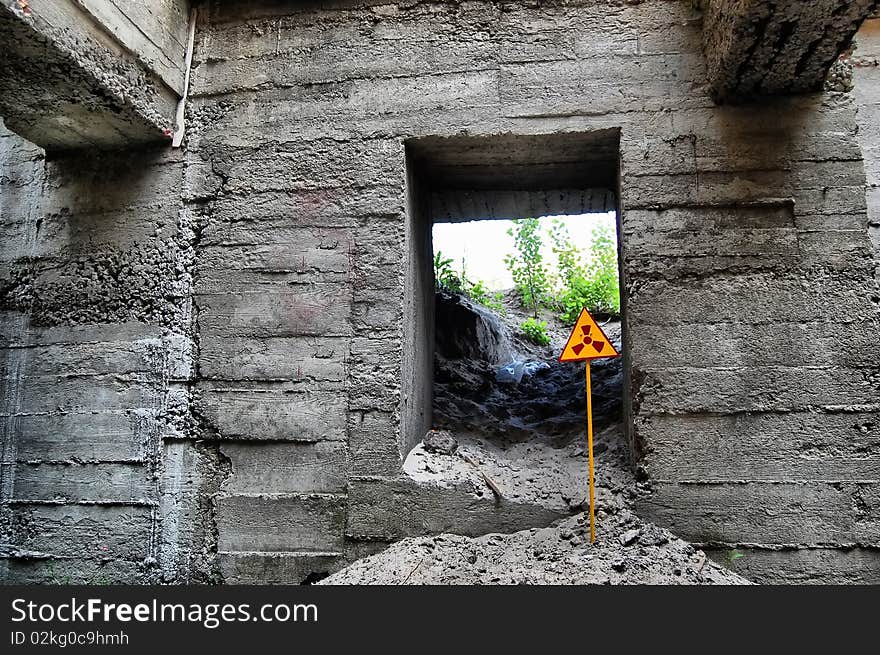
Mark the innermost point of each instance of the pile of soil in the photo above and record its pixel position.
(627, 551)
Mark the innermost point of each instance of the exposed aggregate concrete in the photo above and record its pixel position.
(66, 86)
(170, 330)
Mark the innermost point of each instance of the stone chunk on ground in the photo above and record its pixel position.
(440, 442)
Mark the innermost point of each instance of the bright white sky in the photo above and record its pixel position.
(483, 244)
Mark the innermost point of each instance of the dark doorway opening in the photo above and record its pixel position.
(473, 372)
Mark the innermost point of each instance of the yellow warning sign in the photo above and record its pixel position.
(587, 341)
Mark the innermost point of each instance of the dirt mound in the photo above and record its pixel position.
(628, 551)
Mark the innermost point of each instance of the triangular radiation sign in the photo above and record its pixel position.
(587, 341)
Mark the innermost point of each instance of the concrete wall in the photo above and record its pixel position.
(94, 313)
(417, 374)
(754, 47)
(752, 312)
(841, 447)
(866, 76)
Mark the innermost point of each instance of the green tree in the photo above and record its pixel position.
(526, 265)
(593, 283)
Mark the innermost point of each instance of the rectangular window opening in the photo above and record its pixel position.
(478, 365)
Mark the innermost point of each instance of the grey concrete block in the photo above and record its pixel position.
(73, 80)
(382, 101)
(260, 414)
(83, 482)
(723, 188)
(18, 329)
(700, 241)
(796, 566)
(456, 205)
(80, 230)
(831, 200)
(54, 394)
(313, 48)
(84, 360)
(277, 568)
(105, 436)
(374, 371)
(759, 49)
(275, 310)
(270, 248)
(808, 513)
(304, 523)
(373, 443)
(754, 298)
(320, 164)
(762, 388)
(848, 345)
(103, 183)
(158, 33)
(72, 570)
(385, 509)
(300, 359)
(566, 87)
(323, 208)
(286, 467)
(762, 446)
(95, 532)
(378, 312)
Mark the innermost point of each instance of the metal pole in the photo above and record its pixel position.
(590, 449)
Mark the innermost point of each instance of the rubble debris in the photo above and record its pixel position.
(489, 481)
(440, 442)
(497, 445)
(526, 394)
(559, 554)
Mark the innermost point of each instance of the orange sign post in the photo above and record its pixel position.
(588, 342)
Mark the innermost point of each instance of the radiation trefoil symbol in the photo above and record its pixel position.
(588, 341)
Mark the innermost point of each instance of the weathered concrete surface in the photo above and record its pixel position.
(173, 323)
(94, 350)
(92, 73)
(866, 75)
(755, 47)
(802, 565)
(385, 510)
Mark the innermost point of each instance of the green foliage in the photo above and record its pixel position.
(536, 331)
(733, 555)
(447, 278)
(593, 284)
(582, 279)
(526, 265)
(444, 275)
(478, 292)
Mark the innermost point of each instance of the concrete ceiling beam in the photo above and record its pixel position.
(775, 47)
(69, 81)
